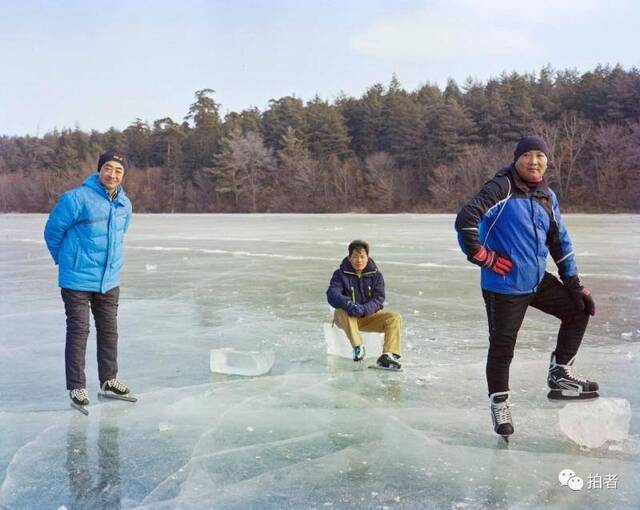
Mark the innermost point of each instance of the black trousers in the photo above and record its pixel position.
(105, 314)
(506, 313)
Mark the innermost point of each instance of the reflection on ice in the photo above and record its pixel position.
(591, 424)
(249, 363)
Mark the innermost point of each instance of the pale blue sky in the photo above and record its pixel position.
(104, 63)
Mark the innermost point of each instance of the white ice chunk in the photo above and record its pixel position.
(338, 343)
(591, 424)
(230, 361)
(150, 267)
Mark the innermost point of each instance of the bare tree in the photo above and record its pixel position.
(380, 170)
(567, 139)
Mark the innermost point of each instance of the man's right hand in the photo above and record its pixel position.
(355, 310)
(491, 260)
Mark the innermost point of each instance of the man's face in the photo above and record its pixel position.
(359, 259)
(532, 165)
(111, 175)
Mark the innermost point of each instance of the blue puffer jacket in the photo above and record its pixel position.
(524, 224)
(367, 289)
(85, 234)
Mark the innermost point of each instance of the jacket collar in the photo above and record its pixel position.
(520, 183)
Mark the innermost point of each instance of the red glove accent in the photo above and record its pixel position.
(491, 260)
(589, 303)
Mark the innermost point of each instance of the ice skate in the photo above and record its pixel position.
(114, 389)
(501, 414)
(565, 384)
(80, 400)
(388, 361)
(358, 353)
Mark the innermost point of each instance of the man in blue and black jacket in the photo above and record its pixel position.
(508, 229)
(356, 291)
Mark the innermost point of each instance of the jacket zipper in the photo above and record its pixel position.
(535, 230)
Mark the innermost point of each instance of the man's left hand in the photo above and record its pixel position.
(355, 310)
(580, 295)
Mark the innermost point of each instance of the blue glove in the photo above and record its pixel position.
(355, 310)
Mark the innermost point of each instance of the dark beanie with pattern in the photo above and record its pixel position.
(112, 155)
(530, 143)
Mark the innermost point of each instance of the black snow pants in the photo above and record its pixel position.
(105, 311)
(505, 314)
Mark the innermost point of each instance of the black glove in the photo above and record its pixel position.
(581, 295)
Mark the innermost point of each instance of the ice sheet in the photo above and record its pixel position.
(236, 362)
(315, 432)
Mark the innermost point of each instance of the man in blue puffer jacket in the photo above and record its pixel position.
(356, 291)
(509, 228)
(85, 235)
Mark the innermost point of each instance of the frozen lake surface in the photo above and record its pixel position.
(314, 432)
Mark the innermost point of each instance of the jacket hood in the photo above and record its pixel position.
(93, 182)
(371, 267)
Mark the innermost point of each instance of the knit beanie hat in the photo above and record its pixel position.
(112, 155)
(530, 143)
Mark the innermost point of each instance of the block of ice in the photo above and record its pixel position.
(591, 424)
(230, 361)
(338, 343)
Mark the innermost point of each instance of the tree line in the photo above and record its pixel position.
(389, 150)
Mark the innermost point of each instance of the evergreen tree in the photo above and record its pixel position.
(325, 131)
(286, 112)
(201, 142)
(138, 143)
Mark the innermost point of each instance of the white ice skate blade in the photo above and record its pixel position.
(564, 395)
(111, 396)
(78, 407)
(376, 367)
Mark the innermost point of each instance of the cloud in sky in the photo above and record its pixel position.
(441, 30)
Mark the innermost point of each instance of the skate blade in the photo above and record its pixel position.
(80, 408)
(111, 396)
(571, 395)
(376, 367)
(505, 439)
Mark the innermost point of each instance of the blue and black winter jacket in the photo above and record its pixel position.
(367, 288)
(85, 235)
(524, 224)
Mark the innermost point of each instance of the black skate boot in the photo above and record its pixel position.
(116, 390)
(358, 353)
(565, 384)
(80, 400)
(389, 361)
(501, 414)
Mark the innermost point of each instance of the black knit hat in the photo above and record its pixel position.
(112, 155)
(530, 143)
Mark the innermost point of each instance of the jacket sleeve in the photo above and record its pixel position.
(335, 292)
(559, 243)
(376, 302)
(474, 210)
(128, 219)
(62, 217)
